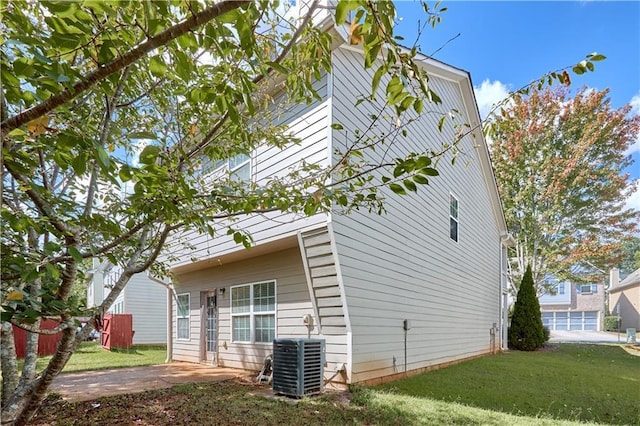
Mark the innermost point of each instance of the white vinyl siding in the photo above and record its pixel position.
(453, 218)
(146, 301)
(309, 124)
(402, 265)
(182, 317)
(253, 312)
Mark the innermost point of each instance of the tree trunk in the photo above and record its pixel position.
(27, 399)
(9, 364)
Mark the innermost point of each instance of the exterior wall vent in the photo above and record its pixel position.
(298, 366)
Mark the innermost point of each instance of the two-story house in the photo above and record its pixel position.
(572, 306)
(143, 298)
(419, 286)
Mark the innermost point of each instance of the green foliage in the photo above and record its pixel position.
(611, 323)
(526, 332)
(629, 256)
(546, 333)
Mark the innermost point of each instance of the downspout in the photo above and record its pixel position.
(171, 293)
(506, 240)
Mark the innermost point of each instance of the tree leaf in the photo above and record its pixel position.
(157, 66)
(398, 189)
(149, 154)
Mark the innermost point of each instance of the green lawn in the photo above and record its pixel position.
(91, 356)
(595, 383)
(567, 385)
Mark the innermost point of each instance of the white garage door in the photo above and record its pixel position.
(574, 321)
(591, 321)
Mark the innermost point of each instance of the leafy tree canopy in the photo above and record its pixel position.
(559, 164)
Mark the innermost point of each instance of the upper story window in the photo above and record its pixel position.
(561, 288)
(587, 288)
(453, 217)
(237, 167)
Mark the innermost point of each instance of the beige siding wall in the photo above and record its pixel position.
(626, 304)
(403, 264)
(309, 124)
(292, 299)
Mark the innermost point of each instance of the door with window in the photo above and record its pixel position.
(209, 315)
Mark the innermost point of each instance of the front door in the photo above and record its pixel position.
(209, 327)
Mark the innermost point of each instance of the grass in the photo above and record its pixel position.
(91, 356)
(597, 383)
(233, 403)
(569, 385)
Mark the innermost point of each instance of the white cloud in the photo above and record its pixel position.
(488, 94)
(635, 104)
(633, 201)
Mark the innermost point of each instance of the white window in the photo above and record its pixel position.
(585, 289)
(561, 288)
(117, 308)
(453, 217)
(253, 312)
(238, 167)
(183, 316)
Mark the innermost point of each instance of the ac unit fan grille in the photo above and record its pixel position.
(298, 366)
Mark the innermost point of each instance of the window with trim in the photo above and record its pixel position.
(561, 288)
(253, 312)
(183, 316)
(588, 288)
(238, 166)
(453, 217)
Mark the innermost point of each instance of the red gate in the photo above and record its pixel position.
(117, 331)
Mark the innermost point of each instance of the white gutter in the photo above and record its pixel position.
(171, 293)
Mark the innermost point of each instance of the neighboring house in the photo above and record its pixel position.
(143, 298)
(624, 299)
(572, 306)
(437, 258)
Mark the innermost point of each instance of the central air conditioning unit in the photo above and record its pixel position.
(298, 366)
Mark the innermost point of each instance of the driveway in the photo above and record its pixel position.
(587, 337)
(88, 385)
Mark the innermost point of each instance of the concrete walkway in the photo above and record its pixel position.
(587, 337)
(88, 385)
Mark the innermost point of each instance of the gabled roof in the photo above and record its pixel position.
(463, 78)
(632, 280)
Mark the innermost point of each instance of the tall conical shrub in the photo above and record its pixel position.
(526, 331)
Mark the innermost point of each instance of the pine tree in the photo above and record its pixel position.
(526, 331)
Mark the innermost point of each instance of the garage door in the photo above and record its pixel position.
(574, 321)
(591, 321)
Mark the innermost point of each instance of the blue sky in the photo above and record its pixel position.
(506, 44)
